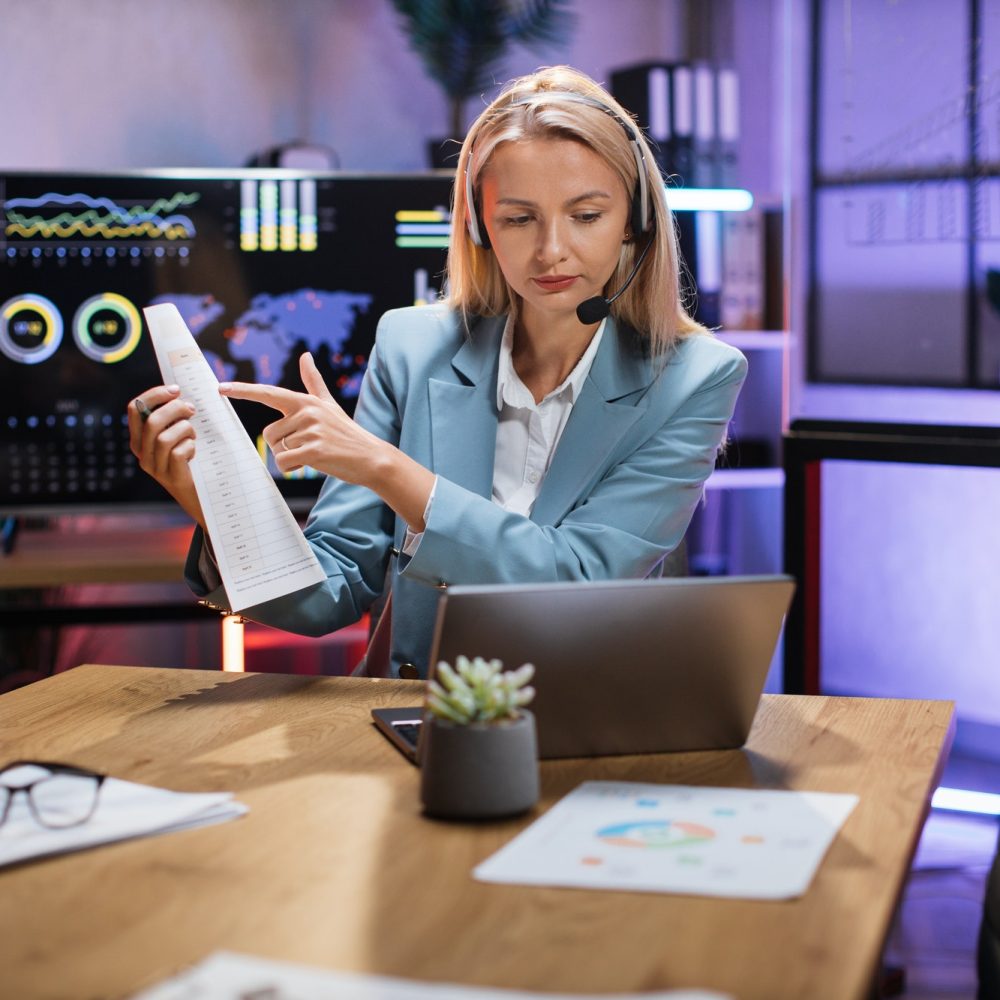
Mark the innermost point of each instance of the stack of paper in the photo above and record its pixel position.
(228, 976)
(124, 810)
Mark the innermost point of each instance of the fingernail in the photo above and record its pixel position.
(173, 388)
(224, 387)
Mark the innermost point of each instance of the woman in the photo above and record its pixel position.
(501, 436)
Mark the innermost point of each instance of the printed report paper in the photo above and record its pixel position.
(124, 810)
(732, 842)
(260, 549)
(229, 976)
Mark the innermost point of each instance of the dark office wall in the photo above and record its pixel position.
(141, 83)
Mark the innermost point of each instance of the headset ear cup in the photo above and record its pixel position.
(477, 229)
(472, 226)
(641, 216)
(473, 220)
(637, 220)
(481, 231)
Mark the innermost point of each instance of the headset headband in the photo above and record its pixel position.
(639, 214)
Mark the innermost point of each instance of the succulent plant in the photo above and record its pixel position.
(478, 690)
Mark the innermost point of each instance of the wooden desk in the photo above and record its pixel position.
(335, 866)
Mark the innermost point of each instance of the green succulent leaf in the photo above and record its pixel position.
(478, 690)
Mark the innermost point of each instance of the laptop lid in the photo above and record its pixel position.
(627, 666)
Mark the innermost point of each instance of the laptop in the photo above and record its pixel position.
(622, 666)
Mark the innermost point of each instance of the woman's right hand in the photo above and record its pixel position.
(164, 443)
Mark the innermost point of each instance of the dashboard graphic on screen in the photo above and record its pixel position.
(262, 264)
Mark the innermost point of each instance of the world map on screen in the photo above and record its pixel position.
(266, 332)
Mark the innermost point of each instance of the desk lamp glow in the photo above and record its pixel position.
(232, 644)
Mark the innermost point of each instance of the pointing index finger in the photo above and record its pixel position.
(284, 400)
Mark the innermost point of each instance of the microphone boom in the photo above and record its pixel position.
(594, 309)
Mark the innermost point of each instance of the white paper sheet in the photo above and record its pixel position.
(732, 842)
(229, 976)
(124, 810)
(260, 549)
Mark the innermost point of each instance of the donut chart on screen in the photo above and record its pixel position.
(107, 328)
(31, 329)
(262, 265)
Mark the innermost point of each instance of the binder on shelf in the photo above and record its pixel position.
(727, 86)
(705, 169)
(661, 96)
(682, 124)
(742, 291)
(699, 235)
(708, 267)
(658, 106)
(645, 91)
(691, 113)
(773, 269)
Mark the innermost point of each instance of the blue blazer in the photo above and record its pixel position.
(623, 484)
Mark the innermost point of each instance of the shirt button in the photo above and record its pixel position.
(409, 672)
(533, 477)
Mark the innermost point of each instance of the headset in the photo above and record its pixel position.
(640, 218)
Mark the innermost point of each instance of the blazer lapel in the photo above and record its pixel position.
(607, 407)
(464, 414)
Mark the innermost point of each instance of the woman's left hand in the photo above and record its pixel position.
(313, 430)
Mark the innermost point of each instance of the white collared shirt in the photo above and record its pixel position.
(527, 432)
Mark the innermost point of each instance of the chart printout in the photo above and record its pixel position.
(741, 843)
(260, 549)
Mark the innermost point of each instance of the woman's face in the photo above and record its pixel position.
(556, 214)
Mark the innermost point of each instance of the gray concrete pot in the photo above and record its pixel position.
(479, 771)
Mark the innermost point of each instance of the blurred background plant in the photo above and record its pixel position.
(463, 43)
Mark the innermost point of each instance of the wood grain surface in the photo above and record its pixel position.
(335, 866)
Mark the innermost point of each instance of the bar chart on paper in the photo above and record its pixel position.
(259, 546)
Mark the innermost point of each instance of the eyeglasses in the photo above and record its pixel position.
(58, 795)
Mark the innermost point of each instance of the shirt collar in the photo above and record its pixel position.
(510, 388)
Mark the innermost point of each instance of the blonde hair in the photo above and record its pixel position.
(541, 105)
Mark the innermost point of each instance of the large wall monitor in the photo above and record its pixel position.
(263, 264)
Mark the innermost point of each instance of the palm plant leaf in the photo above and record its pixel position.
(461, 42)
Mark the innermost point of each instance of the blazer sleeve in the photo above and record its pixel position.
(629, 521)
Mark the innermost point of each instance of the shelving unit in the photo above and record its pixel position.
(754, 340)
(746, 479)
(738, 528)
